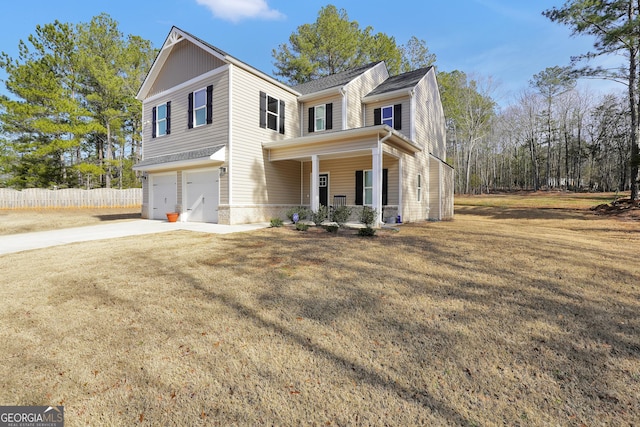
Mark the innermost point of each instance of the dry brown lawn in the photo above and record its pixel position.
(27, 220)
(504, 316)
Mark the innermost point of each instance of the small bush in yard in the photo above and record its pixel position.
(367, 232)
(331, 228)
(300, 226)
(302, 211)
(367, 217)
(320, 215)
(276, 222)
(341, 215)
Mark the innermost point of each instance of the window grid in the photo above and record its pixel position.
(368, 187)
(161, 120)
(200, 107)
(320, 118)
(273, 113)
(387, 116)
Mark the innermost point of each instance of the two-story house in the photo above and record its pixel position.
(224, 142)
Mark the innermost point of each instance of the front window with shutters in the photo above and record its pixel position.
(368, 187)
(161, 119)
(273, 112)
(200, 107)
(387, 116)
(320, 117)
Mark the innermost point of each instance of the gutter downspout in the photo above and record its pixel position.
(344, 108)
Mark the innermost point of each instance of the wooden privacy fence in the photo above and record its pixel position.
(70, 198)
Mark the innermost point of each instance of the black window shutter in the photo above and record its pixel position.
(377, 116)
(209, 104)
(312, 119)
(190, 112)
(359, 187)
(263, 110)
(168, 117)
(385, 186)
(282, 117)
(329, 119)
(397, 116)
(153, 120)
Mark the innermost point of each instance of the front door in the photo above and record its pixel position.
(323, 183)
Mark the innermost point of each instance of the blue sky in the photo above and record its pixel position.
(507, 40)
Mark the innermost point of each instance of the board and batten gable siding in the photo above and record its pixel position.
(430, 123)
(254, 178)
(342, 177)
(336, 100)
(187, 61)
(182, 138)
(358, 88)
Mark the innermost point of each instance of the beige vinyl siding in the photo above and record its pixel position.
(447, 204)
(254, 179)
(430, 121)
(435, 189)
(182, 138)
(360, 87)
(342, 174)
(337, 114)
(186, 62)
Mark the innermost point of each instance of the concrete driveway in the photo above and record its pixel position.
(44, 239)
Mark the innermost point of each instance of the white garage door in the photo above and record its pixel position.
(164, 195)
(202, 195)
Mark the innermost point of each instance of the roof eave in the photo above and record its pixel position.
(320, 94)
(406, 91)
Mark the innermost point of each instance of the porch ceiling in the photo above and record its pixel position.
(340, 144)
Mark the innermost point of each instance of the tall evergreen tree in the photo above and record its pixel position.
(333, 43)
(616, 28)
(72, 104)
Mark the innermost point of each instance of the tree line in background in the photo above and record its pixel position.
(74, 121)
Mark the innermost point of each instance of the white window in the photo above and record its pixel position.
(200, 107)
(161, 120)
(419, 187)
(273, 113)
(320, 118)
(387, 116)
(368, 188)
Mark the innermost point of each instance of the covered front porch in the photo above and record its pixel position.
(356, 167)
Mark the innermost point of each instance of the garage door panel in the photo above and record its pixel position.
(164, 195)
(202, 196)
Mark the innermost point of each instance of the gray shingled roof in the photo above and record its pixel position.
(401, 81)
(334, 80)
(179, 157)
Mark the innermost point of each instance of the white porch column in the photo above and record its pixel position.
(376, 169)
(315, 182)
